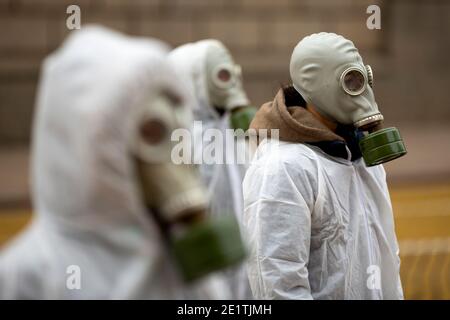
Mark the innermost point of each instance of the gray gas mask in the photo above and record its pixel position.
(327, 70)
(226, 92)
(174, 192)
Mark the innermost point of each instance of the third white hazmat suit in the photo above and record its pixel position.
(92, 236)
(223, 180)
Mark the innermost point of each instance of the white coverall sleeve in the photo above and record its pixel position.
(277, 219)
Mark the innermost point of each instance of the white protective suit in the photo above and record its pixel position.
(224, 181)
(89, 214)
(320, 227)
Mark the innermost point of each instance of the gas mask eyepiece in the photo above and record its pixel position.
(353, 81)
(225, 76)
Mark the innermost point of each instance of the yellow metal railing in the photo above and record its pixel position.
(422, 216)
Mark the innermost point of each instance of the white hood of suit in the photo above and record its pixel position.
(88, 207)
(190, 61)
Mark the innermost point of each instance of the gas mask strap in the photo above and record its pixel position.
(369, 75)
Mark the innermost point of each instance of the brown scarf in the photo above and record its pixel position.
(295, 124)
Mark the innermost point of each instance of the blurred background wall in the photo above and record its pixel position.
(409, 56)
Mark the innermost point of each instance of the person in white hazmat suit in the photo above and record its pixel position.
(221, 104)
(106, 106)
(317, 210)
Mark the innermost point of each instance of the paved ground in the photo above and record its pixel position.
(422, 222)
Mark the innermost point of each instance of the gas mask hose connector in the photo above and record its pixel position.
(376, 118)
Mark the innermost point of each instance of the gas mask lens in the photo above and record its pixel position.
(353, 81)
(153, 131)
(224, 76)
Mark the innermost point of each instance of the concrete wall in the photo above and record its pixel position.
(409, 54)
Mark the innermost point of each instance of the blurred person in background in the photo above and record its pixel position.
(106, 196)
(318, 215)
(221, 104)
